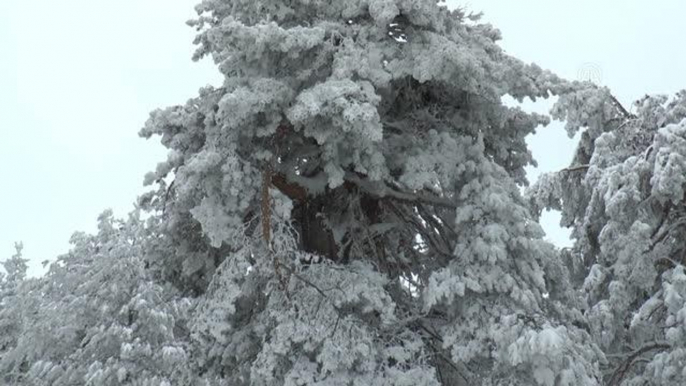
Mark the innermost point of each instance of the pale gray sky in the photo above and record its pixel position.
(78, 78)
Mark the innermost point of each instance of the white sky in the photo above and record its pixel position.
(79, 77)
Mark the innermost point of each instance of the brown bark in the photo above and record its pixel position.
(310, 215)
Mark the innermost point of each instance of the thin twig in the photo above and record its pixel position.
(420, 229)
(621, 108)
(666, 233)
(304, 280)
(665, 214)
(438, 226)
(654, 310)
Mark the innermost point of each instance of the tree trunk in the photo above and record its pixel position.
(315, 235)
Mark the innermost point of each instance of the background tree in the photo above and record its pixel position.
(14, 313)
(623, 197)
(98, 318)
(346, 205)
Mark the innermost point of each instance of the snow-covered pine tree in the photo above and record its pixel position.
(98, 318)
(346, 209)
(623, 197)
(14, 312)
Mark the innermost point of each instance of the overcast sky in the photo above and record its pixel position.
(79, 77)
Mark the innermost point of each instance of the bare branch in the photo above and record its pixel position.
(168, 192)
(437, 225)
(304, 280)
(426, 235)
(621, 108)
(575, 168)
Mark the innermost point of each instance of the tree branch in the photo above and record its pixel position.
(575, 168)
(294, 191)
(621, 108)
(426, 236)
(381, 190)
(621, 371)
(306, 281)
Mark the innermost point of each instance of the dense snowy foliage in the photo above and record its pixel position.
(345, 209)
(100, 318)
(624, 198)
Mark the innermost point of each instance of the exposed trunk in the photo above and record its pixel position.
(313, 215)
(315, 235)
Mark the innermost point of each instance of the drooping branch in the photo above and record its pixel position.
(374, 188)
(621, 371)
(667, 232)
(381, 190)
(661, 223)
(426, 234)
(575, 168)
(437, 226)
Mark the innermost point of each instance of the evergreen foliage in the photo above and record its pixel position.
(624, 200)
(345, 209)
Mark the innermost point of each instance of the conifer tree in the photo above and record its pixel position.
(623, 197)
(13, 308)
(345, 209)
(346, 206)
(98, 318)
